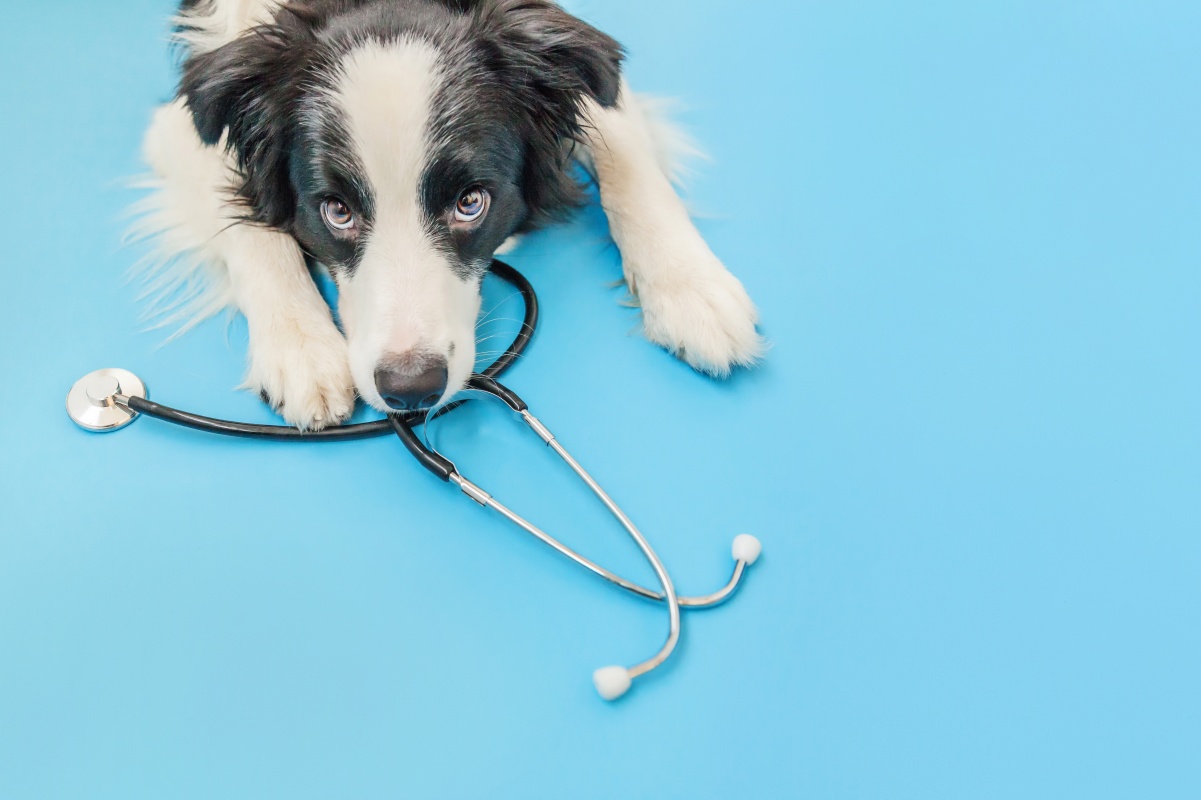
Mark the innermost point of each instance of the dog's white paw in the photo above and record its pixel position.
(303, 371)
(695, 308)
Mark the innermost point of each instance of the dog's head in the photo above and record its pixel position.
(401, 143)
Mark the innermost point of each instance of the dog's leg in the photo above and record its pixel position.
(298, 359)
(691, 304)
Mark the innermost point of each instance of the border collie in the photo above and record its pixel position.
(399, 144)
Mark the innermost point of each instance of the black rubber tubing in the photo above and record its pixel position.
(366, 430)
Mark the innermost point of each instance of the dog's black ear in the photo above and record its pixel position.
(249, 88)
(564, 57)
(552, 61)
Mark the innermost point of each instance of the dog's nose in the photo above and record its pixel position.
(408, 386)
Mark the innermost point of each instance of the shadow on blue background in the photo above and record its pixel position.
(972, 454)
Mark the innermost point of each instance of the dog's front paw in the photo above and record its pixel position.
(695, 308)
(302, 370)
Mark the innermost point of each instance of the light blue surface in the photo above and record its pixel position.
(972, 456)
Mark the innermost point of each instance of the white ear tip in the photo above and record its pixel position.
(612, 682)
(747, 548)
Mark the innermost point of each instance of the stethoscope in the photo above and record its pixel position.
(109, 399)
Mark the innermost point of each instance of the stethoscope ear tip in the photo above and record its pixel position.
(747, 548)
(612, 682)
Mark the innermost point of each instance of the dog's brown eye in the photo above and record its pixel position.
(337, 214)
(472, 205)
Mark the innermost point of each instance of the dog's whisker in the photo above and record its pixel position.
(520, 322)
(486, 359)
(498, 304)
(483, 339)
(499, 319)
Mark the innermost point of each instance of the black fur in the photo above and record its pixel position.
(521, 69)
(250, 87)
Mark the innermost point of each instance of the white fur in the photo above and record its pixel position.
(404, 297)
(674, 148)
(183, 280)
(219, 22)
(691, 304)
(297, 356)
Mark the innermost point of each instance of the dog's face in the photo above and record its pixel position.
(401, 143)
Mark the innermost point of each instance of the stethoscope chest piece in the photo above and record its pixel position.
(93, 402)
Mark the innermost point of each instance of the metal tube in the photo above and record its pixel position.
(703, 602)
(669, 589)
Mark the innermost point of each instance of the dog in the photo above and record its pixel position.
(399, 144)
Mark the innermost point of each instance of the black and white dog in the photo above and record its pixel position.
(400, 143)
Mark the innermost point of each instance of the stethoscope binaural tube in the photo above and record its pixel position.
(611, 682)
(110, 399)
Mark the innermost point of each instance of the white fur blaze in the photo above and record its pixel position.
(403, 296)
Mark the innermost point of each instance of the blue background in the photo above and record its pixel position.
(972, 455)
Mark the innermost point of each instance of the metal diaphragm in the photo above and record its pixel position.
(92, 403)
